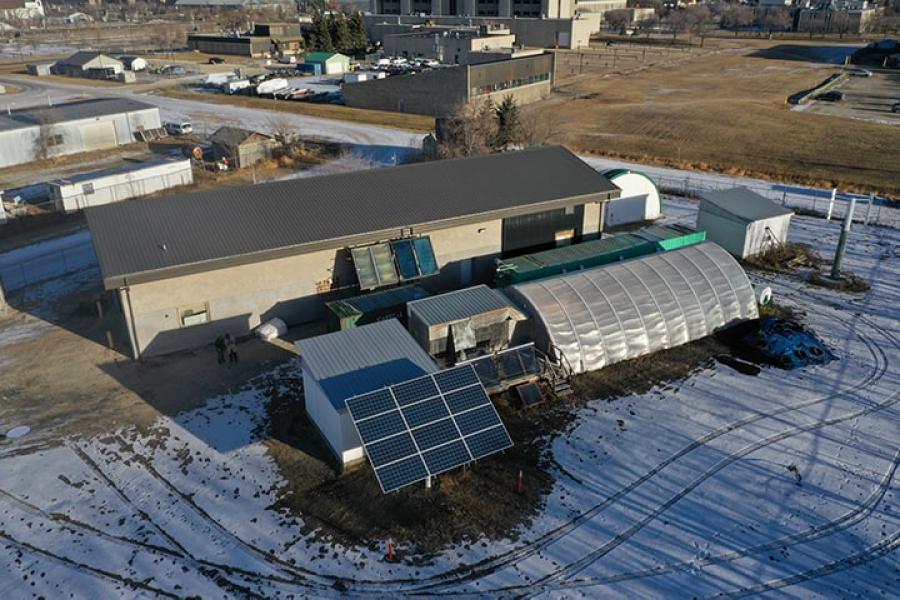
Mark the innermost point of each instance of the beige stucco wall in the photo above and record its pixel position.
(241, 297)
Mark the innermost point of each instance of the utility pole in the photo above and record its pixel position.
(842, 242)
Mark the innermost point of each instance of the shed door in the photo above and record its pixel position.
(96, 136)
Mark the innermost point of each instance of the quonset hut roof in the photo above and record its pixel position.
(612, 313)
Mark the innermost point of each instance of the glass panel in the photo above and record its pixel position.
(365, 270)
(384, 264)
(406, 260)
(425, 255)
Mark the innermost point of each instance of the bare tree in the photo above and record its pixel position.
(617, 20)
(777, 19)
(699, 19)
(283, 129)
(47, 137)
(678, 21)
(469, 131)
(541, 127)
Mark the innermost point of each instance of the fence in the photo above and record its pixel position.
(49, 265)
(870, 210)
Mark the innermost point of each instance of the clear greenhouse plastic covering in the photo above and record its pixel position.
(604, 315)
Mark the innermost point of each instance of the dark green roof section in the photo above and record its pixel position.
(609, 249)
(367, 308)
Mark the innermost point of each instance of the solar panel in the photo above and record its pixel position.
(425, 255)
(406, 259)
(428, 425)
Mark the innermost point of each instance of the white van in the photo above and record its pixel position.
(179, 128)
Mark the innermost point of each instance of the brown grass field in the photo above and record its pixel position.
(726, 111)
(325, 111)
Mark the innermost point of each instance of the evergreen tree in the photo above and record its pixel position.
(509, 123)
(340, 34)
(358, 33)
(320, 36)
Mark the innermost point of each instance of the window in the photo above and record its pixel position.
(55, 140)
(195, 314)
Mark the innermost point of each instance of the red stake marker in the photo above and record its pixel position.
(390, 555)
(520, 483)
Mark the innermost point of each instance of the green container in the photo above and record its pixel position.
(368, 308)
(594, 253)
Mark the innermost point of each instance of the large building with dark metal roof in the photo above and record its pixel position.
(188, 268)
(42, 132)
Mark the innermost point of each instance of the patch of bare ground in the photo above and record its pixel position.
(726, 112)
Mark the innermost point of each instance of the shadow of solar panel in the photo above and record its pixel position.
(486, 370)
(368, 405)
(435, 434)
(391, 449)
(510, 365)
(425, 412)
(487, 442)
(476, 420)
(402, 473)
(415, 390)
(465, 399)
(453, 379)
(381, 426)
(446, 457)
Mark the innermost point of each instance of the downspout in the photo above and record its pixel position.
(132, 329)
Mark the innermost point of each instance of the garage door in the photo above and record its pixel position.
(98, 135)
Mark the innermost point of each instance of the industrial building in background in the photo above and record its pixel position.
(88, 64)
(538, 23)
(454, 45)
(439, 92)
(742, 221)
(43, 132)
(242, 148)
(188, 268)
(265, 39)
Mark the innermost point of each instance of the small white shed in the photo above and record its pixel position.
(78, 192)
(340, 365)
(639, 201)
(742, 221)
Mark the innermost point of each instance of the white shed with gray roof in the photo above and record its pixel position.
(742, 221)
(340, 365)
(464, 323)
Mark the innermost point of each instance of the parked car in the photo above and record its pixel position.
(179, 127)
(215, 60)
(832, 96)
(860, 73)
(896, 107)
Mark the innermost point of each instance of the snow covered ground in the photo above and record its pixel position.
(683, 491)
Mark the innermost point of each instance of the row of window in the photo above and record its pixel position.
(509, 84)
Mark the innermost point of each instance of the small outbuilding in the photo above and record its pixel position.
(464, 323)
(242, 147)
(133, 63)
(89, 64)
(337, 366)
(742, 221)
(597, 317)
(77, 192)
(639, 201)
(327, 63)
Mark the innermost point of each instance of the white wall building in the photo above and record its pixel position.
(640, 200)
(21, 9)
(742, 221)
(347, 363)
(114, 185)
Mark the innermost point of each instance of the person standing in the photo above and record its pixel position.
(220, 349)
(231, 348)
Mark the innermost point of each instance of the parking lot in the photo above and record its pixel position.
(868, 98)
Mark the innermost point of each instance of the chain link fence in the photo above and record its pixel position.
(870, 210)
(46, 266)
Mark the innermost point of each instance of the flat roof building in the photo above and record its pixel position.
(440, 92)
(742, 221)
(243, 255)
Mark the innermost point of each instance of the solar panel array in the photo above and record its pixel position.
(378, 265)
(426, 426)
